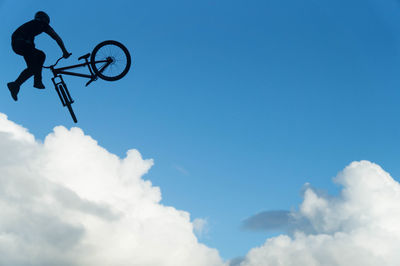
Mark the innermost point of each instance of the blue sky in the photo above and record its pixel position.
(239, 104)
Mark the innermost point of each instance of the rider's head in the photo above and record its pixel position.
(42, 16)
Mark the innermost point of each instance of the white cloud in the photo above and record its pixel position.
(67, 201)
(200, 226)
(358, 227)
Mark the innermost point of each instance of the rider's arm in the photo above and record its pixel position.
(57, 38)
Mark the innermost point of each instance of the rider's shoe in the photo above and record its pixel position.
(38, 85)
(14, 89)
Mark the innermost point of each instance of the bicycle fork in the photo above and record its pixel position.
(64, 94)
(62, 90)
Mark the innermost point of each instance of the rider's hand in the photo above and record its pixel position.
(66, 54)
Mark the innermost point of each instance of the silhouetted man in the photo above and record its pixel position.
(22, 42)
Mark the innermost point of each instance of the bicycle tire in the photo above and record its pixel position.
(119, 56)
(71, 111)
(68, 104)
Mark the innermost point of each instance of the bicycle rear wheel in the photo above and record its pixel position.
(110, 60)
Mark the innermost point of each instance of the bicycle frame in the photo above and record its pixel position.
(92, 77)
(97, 69)
(61, 70)
(61, 87)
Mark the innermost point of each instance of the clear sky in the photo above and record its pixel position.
(239, 103)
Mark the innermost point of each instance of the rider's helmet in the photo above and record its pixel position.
(42, 16)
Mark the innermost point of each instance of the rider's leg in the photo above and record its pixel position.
(34, 59)
(40, 56)
(26, 50)
(25, 74)
(15, 86)
(22, 48)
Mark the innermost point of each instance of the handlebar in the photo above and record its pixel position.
(58, 60)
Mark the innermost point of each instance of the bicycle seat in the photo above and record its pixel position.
(86, 56)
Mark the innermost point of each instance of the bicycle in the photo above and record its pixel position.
(109, 60)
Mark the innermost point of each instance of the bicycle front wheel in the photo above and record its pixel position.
(71, 111)
(110, 60)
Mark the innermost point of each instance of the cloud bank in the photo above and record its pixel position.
(67, 201)
(361, 226)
